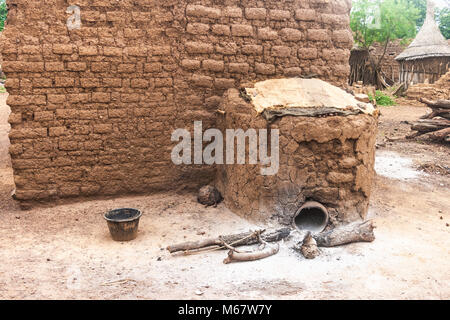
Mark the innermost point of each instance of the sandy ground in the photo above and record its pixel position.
(65, 252)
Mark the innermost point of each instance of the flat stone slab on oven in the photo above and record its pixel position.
(304, 97)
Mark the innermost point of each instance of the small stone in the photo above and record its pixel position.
(209, 196)
(198, 292)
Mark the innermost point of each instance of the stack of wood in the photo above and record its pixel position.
(436, 125)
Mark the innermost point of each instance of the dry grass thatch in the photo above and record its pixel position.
(429, 41)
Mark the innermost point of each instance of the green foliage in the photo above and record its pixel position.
(382, 99)
(3, 12)
(382, 21)
(444, 22)
(421, 5)
(2, 89)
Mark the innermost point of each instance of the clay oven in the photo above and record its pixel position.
(326, 150)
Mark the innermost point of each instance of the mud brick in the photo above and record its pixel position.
(90, 82)
(256, 13)
(202, 81)
(308, 53)
(317, 34)
(163, 82)
(153, 67)
(67, 113)
(88, 114)
(252, 49)
(57, 131)
(78, 97)
(126, 68)
(19, 66)
(54, 66)
(281, 51)
(232, 12)
(289, 34)
(112, 51)
(64, 82)
(238, 68)
(160, 50)
(305, 14)
(267, 34)
(76, 66)
(263, 68)
(223, 83)
(242, 30)
(87, 51)
(43, 116)
(279, 15)
(197, 28)
(342, 36)
(202, 11)
(199, 47)
(100, 67)
(213, 65)
(15, 118)
(139, 83)
(221, 29)
(103, 97)
(103, 128)
(112, 82)
(62, 48)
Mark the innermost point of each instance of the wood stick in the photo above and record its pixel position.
(440, 135)
(235, 240)
(444, 104)
(444, 113)
(355, 232)
(309, 247)
(427, 125)
(268, 251)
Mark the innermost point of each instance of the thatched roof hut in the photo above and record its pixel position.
(427, 58)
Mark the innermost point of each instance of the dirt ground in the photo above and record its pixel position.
(65, 251)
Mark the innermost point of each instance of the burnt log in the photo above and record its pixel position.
(440, 104)
(309, 247)
(429, 125)
(443, 113)
(235, 256)
(355, 232)
(440, 135)
(241, 239)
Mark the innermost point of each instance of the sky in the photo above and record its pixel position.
(442, 3)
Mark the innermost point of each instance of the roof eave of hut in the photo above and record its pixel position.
(429, 42)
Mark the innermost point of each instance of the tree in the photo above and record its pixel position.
(382, 21)
(3, 12)
(421, 5)
(444, 22)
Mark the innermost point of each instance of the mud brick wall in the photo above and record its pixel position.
(327, 159)
(93, 109)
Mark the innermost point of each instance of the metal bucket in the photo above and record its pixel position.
(123, 223)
